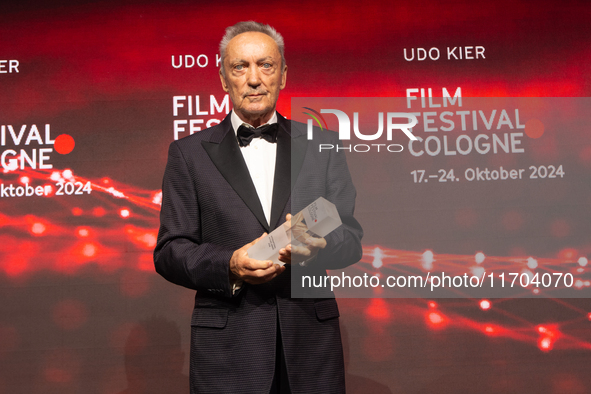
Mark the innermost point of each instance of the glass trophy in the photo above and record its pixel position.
(316, 220)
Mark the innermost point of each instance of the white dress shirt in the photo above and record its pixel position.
(260, 157)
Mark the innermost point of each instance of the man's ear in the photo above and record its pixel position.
(224, 85)
(283, 78)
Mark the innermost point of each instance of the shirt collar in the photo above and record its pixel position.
(237, 122)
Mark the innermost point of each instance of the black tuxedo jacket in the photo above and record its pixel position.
(210, 208)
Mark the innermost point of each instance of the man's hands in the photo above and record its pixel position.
(256, 272)
(297, 254)
(250, 270)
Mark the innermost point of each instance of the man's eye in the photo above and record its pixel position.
(266, 65)
(239, 67)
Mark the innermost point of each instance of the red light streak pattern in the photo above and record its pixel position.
(402, 262)
(552, 335)
(114, 236)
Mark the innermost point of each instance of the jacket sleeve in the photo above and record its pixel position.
(180, 255)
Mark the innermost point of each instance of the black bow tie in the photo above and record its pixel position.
(246, 134)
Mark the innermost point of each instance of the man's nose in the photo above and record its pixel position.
(254, 77)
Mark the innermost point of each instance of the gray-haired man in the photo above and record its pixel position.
(222, 189)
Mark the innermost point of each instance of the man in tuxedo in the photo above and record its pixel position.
(223, 188)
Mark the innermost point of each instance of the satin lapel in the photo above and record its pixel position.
(281, 181)
(299, 145)
(290, 157)
(224, 152)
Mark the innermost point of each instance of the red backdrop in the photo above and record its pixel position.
(86, 107)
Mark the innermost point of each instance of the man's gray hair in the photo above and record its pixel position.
(251, 26)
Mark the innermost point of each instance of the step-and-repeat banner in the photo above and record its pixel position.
(484, 201)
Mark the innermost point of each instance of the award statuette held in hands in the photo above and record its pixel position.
(316, 220)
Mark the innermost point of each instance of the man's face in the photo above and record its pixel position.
(254, 76)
